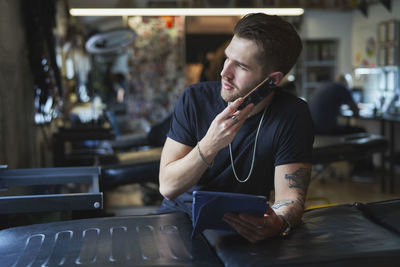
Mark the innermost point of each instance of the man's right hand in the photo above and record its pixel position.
(225, 126)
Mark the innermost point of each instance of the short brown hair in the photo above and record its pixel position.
(280, 41)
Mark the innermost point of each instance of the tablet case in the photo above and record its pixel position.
(209, 208)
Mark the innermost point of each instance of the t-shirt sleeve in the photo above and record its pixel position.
(182, 123)
(296, 138)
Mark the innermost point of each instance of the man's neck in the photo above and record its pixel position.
(263, 104)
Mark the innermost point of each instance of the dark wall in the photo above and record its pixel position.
(197, 45)
(18, 144)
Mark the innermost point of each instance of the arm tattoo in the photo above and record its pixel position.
(282, 203)
(299, 179)
(292, 209)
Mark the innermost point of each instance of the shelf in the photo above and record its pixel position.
(312, 84)
(320, 63)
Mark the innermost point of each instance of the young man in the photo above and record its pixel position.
(210, 144)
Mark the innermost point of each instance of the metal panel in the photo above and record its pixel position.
(41, 201)
(54, 202)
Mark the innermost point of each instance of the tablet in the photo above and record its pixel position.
(209, 207)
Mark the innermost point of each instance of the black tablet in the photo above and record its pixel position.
(209, 207)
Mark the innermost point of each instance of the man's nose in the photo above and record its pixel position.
(227, 71)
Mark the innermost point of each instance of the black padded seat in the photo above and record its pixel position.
(385, 213)
(143, 166)
(113, 176)
(153, 240)
(328, 149)
(343, 235)
(332, 236)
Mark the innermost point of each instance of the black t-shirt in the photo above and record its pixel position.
(286, 136)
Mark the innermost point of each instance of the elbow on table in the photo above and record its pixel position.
(166, 192)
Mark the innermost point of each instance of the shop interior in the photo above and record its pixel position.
(96, 93)
(123, 74)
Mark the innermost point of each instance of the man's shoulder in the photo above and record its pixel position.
(204, 89)
(288, 106)
(208, 85)
(290, 99)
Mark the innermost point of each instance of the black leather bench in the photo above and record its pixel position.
(350, 147)
(343, 235)
(327, 149)
(143, 166)
(153, 240)
(333, 236)
(347, 147)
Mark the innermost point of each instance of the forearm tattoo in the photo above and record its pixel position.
(299, 179)
(292, 209)
(283, 203)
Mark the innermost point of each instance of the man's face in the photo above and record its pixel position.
(242, 71)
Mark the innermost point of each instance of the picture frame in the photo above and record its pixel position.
(382, 32)
(382, 56)
(392, 31)
(390, 55)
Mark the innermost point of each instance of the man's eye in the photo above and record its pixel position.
(242, 66)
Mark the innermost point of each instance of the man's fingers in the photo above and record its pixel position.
(239, 225)
(242, 115)
(235, 104)
(230, 109)
(270, 211)
(248, 231)
(253, 220)
(231, 112)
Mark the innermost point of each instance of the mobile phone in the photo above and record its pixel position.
(262, 90)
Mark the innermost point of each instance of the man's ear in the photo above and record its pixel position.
(276, 77)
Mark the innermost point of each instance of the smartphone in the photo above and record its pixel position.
(262, 90)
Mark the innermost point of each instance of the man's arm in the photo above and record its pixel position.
(291, 183)
(181, 166)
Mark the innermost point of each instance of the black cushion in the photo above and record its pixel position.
(385, 213)
(153, 240)
(334, 236)
(341, 235)
(122, 174)
(346, 147)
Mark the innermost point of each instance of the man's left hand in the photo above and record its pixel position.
(255, 228)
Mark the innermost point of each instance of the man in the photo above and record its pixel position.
(210, 144)
(325, 104)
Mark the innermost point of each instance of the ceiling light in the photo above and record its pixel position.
(183, 11)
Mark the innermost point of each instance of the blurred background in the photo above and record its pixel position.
(123, 73)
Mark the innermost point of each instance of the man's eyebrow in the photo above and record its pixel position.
(242, 64)
(238, 62)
